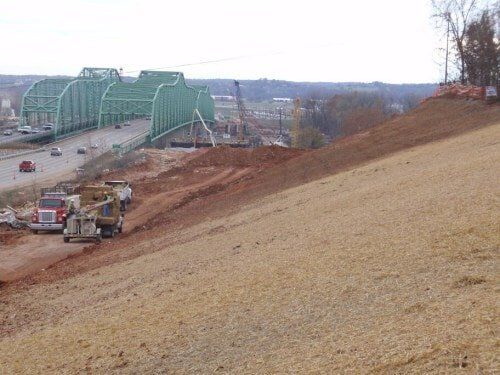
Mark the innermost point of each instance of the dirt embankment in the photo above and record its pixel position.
(216, 182)
(388, 267)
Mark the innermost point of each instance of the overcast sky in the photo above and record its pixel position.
(331, 40)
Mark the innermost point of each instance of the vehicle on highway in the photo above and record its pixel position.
(7, 132)
(118, 126)
(35, 130)
(52, 211)
(127, 123)
(94, 146)
(81, 150)
(48, 126)
(55, 151)
(24, 129)
(27, 166)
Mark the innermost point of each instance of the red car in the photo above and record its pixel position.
(27, 166)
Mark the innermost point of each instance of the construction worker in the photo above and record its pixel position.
(106, 209)
(123, 199)
(71, 212)
(71, 207)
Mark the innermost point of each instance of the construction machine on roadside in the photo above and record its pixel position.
(99, 215)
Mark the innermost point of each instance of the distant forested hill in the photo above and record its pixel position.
(265, 89)
(13, 86)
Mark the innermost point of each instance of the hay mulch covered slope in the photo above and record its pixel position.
(388, 267)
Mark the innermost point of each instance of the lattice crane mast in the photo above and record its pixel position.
(296, 123)
(242, 111)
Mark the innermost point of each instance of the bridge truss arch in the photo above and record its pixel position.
(71, 104)
(164, 97)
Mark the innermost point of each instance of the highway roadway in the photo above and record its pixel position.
(49, 167)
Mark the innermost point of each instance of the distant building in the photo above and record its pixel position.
(5, 104)
(283, 100)
(396, 108)
(223, 98)
(5, 108)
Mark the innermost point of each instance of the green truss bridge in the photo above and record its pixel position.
(162, 96)
(98, 98)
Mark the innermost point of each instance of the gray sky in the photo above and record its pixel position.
(366, 40)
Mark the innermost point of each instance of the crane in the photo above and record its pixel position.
(296, 123)
(242, 111)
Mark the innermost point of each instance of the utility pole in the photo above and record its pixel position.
(447, 43)
(241, 111)
(281, 127)
(295, 131)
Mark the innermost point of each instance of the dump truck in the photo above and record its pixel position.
(52, 210)
(99, 216)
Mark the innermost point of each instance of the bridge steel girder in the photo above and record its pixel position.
(71, 104)
(164, 96)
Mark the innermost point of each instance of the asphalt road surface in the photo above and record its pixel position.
(49, 167)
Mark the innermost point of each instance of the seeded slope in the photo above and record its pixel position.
(390, 267)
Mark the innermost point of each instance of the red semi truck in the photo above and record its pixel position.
(51, 211)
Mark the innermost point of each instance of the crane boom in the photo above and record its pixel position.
(242, 111)
(296, 123)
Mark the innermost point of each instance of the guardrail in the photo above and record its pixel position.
(121, 148)
(132, 143)
(31, 137)
(22, 153)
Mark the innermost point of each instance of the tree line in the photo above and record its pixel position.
(472, 29)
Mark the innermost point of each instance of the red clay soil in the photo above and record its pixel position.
(217, 182)
(9, 236)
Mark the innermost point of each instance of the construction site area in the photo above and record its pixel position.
(377, 253)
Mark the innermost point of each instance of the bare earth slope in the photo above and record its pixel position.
(390, 267)
(218, 182)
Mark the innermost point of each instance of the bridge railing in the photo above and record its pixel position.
(131, 144)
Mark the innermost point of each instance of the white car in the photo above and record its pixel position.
(7, 132)
(55, 151)
(24, 130)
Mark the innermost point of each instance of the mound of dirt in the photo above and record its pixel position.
(433, 120)
(225, 156)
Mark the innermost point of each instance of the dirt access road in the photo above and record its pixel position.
(27, 253)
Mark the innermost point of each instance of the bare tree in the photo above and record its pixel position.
(455, 16)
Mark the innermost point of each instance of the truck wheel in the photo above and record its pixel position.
(34, 231)
(66, 239)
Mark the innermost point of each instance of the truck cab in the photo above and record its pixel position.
(52, 211)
